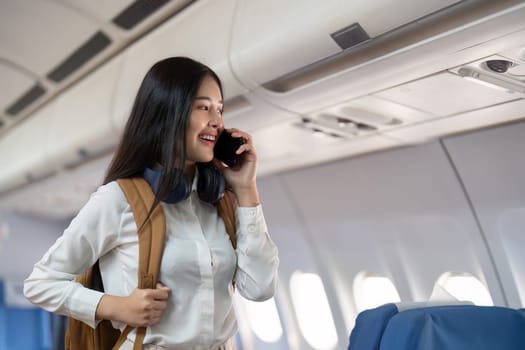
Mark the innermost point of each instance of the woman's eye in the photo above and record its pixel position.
(203, 108)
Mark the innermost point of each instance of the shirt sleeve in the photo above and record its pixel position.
(257, 256)
(92, 233)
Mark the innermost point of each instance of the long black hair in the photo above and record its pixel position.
(155, 132)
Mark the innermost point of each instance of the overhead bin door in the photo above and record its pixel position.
(273, 38)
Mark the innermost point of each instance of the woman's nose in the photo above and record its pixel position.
(216, 119)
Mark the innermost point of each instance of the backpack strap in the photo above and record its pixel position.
(140, 198)
(151, 234)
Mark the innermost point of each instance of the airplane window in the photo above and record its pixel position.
(264, 320)
(312, 310)
(371, 291)
(465, 287)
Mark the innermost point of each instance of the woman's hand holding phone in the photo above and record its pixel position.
(242, 175)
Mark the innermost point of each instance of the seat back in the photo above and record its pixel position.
(369, 327)
(464, 327)
(417, 326)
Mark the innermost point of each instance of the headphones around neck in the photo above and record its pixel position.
(210, 185)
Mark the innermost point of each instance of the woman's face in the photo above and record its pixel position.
(205, 123)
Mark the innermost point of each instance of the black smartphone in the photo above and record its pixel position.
(225, 148)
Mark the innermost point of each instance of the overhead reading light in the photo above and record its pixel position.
(499, 66)
(491, 81)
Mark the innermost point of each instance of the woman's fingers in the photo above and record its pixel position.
(247, 146)
(144, 307)
(239, 133)
(161, 293)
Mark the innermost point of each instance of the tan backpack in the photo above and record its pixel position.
(80, 336)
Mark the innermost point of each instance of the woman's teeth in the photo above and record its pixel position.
(207, 137)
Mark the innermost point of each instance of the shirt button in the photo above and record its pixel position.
(252, 213)
(251, 228)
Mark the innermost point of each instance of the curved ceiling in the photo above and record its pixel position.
(46, 45)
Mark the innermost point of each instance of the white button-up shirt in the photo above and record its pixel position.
(198, 265)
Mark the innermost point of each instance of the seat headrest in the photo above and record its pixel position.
(369, 327)
(464, 327)
(418, 326)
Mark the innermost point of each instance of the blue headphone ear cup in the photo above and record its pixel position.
(211, 184)
(179, 193)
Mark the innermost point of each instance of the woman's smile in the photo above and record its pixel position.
(208, 139)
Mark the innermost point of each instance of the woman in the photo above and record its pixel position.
(168, 139)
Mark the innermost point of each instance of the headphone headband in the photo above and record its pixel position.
(210, 185)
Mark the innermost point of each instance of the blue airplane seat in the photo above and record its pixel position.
(369, 327)
(457, 327)
(444, 327)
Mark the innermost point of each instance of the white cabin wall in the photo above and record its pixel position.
(296, 253)
(401, 213)
(26, 241)
(490, 164)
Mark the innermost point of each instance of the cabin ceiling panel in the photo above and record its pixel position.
(255, 115)
(389, 109)
(476, 119)
(445, 94)
(289, 145)
(371, 113)
(33, 33)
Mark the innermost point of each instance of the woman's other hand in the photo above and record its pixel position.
(142, 308)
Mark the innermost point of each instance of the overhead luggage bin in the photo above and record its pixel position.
(267, 44)
(81, 128)
(24, 149)
(294, 62)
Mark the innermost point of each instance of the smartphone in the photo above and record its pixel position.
(225, 149)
